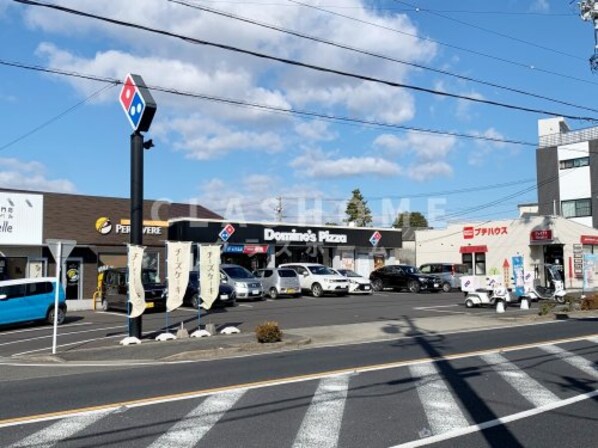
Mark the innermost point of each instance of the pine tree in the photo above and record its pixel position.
(410, 219)
(357, 210)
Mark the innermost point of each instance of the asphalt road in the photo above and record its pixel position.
(377, 395)
(290, 313)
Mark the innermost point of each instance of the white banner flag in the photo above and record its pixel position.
(136, 290)
(209, 274)
(178, 255)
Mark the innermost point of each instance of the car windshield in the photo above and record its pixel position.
(238, 272)
(287, 273)
(321, 270)
(410, 269)
(349, 273)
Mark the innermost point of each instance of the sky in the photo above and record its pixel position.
(67, 134)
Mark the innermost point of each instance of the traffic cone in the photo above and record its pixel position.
(500, 306)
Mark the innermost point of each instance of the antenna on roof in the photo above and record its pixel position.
(588, 10)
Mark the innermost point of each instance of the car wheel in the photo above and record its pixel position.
(469, 303)
(414, 286)
(317, 290)
(446, 287)
(61, 316)
(377, 285)
(105, 305)
(273, 293)
(195, 301)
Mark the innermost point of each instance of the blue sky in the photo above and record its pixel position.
(237, 160)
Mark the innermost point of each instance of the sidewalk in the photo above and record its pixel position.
(222, 346)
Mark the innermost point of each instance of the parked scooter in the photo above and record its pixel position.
(558, 293)
(483, 296)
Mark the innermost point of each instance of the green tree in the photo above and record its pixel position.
(357, 210)
(410, 219)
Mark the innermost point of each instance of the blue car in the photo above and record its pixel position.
(30, 299)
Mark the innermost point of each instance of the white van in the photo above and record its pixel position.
(319, 279)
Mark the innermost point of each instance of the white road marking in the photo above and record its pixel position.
(435, 306)
(47, 349)
(442, 411)
(594, 340)
(583, 364)
(497, 422)
(43, 328)
(524, 384)
(245, 306)
(322, 422)
(195, 425)
(61, 334)
(59, 431)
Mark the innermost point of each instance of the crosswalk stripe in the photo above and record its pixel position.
(195, 425)
(59, 431)
(322, 422)
(576, 361)
(442, 411)
(528, 387)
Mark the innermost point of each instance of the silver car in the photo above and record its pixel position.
(279, 281)
(245, 284)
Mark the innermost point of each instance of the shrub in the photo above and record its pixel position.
(546, 308)
(589, 303)
(267, 332)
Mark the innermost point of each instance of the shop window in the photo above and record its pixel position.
(577, 208)
(574, 163)
(480, 263)
(467, 260)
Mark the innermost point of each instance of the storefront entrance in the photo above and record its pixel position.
(553, 254)
(73, 275)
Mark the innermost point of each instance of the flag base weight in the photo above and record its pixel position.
(130, 340)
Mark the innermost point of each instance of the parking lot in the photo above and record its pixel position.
(86, 327)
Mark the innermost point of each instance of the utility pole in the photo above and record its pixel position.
(588, 11)
(278, 209)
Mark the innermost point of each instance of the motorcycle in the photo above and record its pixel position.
(558, 293)
(488, 296)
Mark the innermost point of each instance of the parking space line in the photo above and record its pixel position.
(245, 306)
(60, 335)
(43, 328)
(84, 341)
(435, 306)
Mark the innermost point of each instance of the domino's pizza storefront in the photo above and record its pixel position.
(257, 245)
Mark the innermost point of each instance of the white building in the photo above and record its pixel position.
(488, 247)
(567, 171)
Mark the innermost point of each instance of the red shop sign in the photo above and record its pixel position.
(541, 235)
(252, 249)
(589, 239)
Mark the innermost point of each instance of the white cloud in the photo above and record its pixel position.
(315, 131)
(540, 6)
(417, 144)
(255, 197)
(429, 170)
(203, 139)
(315, 163)
(485, 148)
(21, 175)
(464, 107)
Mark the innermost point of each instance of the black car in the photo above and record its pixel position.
(226, 293)
(402, 276)
(115, 289)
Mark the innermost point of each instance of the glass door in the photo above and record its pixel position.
(73, 278)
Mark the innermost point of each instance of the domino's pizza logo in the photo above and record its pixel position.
(227, 232)
(375, 238)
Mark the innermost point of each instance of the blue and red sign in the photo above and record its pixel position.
(375, 238)
(226, 233)
(138, 103)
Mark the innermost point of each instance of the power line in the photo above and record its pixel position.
(493, 57)
(487, 30)
(301, 64)
(56, 117)
(298, 112)
(375, 55)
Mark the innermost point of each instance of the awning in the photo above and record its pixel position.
(473, 249)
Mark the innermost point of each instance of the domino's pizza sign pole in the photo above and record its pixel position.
(140, 107)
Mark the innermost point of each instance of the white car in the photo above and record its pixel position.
(357, 283)
(319, 279)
